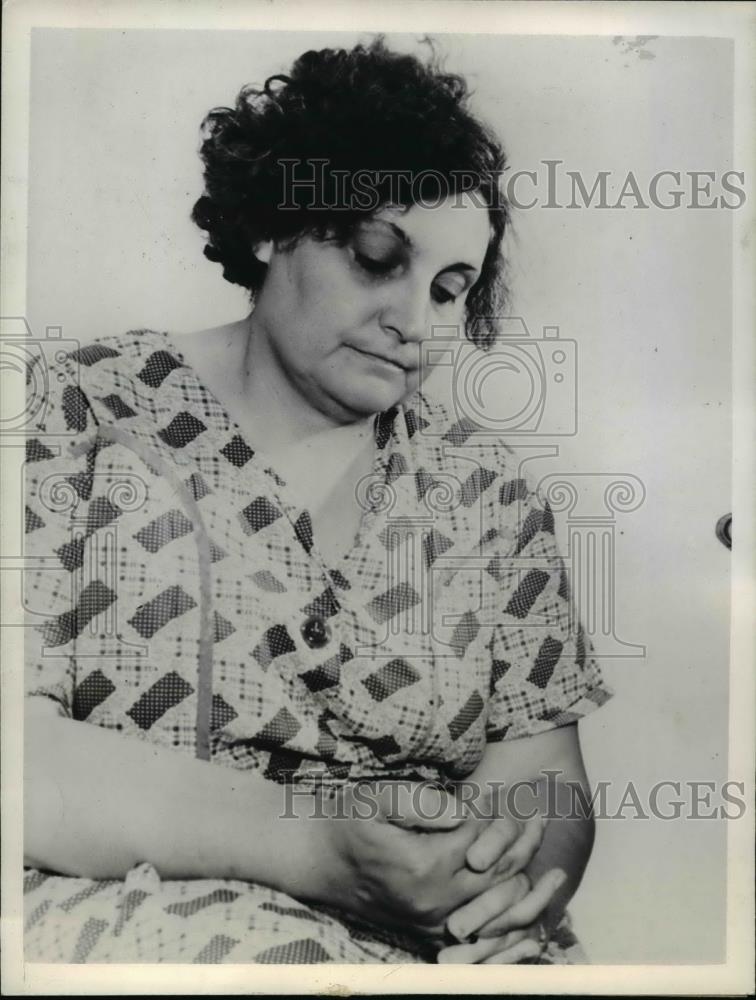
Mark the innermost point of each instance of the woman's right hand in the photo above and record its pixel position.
(399, 856)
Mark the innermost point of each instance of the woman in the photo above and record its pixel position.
(266, 548)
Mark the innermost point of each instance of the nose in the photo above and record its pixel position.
(405, 312)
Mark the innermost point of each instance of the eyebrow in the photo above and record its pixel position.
(407, 242)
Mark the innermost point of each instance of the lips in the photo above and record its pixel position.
(394, 362)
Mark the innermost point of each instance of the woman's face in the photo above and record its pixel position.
(342, 325)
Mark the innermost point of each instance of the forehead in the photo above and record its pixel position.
(457, 230)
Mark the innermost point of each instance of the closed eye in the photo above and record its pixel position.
(383, 267)
(450, 289)
(377, 265)
(442, 296)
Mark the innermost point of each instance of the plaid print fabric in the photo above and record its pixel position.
(179, 596)
(208, 921)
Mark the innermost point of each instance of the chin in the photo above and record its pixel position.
(369, 398)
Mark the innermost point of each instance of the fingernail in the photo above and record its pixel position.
(478, 862)
(559, 879)
(458, 933)
(472, 860)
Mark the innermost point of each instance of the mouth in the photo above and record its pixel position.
(391, 362)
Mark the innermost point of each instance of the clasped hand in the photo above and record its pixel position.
(456, 875)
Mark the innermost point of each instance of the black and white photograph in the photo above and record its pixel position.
(376, 391)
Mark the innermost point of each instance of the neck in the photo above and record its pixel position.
(278, 405)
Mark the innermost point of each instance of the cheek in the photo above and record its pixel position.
(325, 300)
(334, 315)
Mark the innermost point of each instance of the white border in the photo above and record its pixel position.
(723, 20)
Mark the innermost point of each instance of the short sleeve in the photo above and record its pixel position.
(543, 670)
(58, 472)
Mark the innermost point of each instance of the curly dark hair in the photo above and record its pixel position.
(338, 118)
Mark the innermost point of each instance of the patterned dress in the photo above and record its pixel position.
(178, 596)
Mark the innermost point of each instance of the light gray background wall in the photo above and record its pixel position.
(645, 294)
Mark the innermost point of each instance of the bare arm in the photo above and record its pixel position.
(97, 803)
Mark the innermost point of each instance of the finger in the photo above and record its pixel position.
(484, 908)
(528, 909)
(464, 886)
(501, 834)
(453, 846)
(442, 856)
(469, 954)
(518, 953)
(433, 808)
(520, 854)
(420, 806)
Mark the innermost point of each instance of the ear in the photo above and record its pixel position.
(264, 251)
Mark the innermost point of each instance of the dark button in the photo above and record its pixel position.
(316, 632)
(724, 530)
